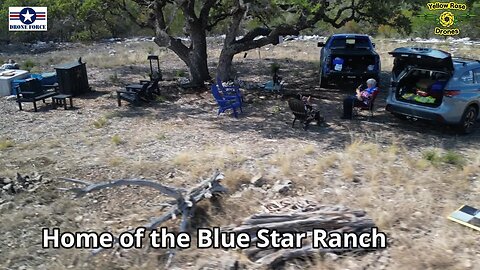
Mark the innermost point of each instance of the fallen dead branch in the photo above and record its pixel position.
(184, 204)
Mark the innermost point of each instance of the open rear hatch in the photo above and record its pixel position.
(419, 75)
(420, 58)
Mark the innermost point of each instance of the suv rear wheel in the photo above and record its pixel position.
(469, 118)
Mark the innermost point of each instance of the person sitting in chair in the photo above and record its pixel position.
(362, 98)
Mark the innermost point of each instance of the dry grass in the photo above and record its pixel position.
(6, 143)
(101, 122)
(116, 140)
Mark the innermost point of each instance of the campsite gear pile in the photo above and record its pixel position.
(419, 98)
(68, 80)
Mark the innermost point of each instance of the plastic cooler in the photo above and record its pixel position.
(48, 78)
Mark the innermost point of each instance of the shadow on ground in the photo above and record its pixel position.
(269, 116)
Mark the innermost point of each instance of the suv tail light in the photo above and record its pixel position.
(328, 62)
(451, 93)
(377, 62)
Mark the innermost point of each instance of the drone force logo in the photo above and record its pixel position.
(27, 19)
(447, 19)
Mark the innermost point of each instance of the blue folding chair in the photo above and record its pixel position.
(229, 89)
(226, 102)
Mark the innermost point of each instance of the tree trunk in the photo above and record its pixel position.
(224, 68)
(198, 57)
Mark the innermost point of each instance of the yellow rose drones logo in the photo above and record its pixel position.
(447, 19)
(452, 13)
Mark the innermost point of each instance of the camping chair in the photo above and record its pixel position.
(134, 93)
(226, 102)
(229, 89)
(367, 107)
(301, 113)
(152, 87)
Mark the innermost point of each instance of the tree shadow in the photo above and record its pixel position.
(302, 78)
(269, 116)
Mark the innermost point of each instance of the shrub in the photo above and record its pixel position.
(114, 78)
(276, 109)
(449, 157)
(162, 137)
(180, 73)
(387, 31)
(100, 122)
(29, 64)
(116, 139)
(160, 99)
(453, 158)
(431, 155)
(5, 143)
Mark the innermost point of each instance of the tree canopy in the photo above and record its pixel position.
(246, 24)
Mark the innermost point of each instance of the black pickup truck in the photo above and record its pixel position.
(348, 57)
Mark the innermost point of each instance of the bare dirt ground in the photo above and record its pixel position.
(407, 176)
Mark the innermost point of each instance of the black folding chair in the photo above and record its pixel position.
(302, 114)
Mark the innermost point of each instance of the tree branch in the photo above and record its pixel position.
(184, 206)
(272, 38)
(205, 11)
(134, 18)
(91, 187)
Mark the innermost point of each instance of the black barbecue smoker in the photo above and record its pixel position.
(72, 78)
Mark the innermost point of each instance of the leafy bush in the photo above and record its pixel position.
(160, 99)
(29, 65)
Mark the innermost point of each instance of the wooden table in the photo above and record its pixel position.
(62, 100)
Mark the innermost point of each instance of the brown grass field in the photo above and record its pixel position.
(408, 176)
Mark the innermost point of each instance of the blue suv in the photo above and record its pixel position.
(348, 57)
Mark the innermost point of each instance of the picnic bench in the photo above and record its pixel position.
(32, 91)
